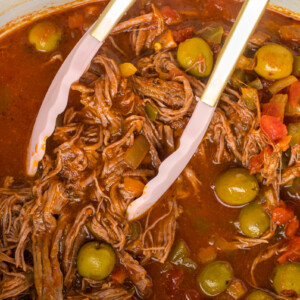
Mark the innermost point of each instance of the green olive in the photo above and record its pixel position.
(236, 187)
(45, 36)
(274, 62)
(195, 52)
(259, 295)
(95, 260)
(287, 278)
(254, 221)
(215, 278)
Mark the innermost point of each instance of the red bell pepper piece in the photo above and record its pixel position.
(293, 251)
(273, 127)
(76, 21)
(282, 215)
(183, 34)
(257, 161)
(171, 16)
(273, 109)
(292, 228)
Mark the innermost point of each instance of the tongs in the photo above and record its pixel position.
(79, 59)
(171, 167)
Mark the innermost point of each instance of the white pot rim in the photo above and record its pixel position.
(16, 13)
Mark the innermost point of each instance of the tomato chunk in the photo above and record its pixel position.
(119, 275)
(292, 228)
(174, 279)
(171, 16)
(272, 109)
(294, 93)
(76, 21)
(273, 127)
(293, 251)
(282, 215)
(257, 161)
(183, 34)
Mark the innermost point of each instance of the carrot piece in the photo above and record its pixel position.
(292, 228)
(236, 289)
(133, 186)
(75, 21)
(166, 41)
(246, 63)
(273, 127)
(207, 255)
(290, 32)
(294, 93)
(282, 215)
(119, 275)
(127, 69)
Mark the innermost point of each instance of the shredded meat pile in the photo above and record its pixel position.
(80, 194)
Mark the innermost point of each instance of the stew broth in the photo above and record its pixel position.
(25, 76)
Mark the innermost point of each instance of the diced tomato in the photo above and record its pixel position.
(119, 275)
(257, 161)
(76, 21)
(183, 34)
(174, 278)
(293, 251)
(273, 127)
(273, 109)
(171, 16)
(292, 228)
(282, 215)
(294, 93)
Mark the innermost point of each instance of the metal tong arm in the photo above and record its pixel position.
(247, 20)
(109, 18)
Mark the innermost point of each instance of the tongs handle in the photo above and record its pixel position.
(247, 20)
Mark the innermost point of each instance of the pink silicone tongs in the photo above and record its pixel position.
(78, 60)
(171, 167)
